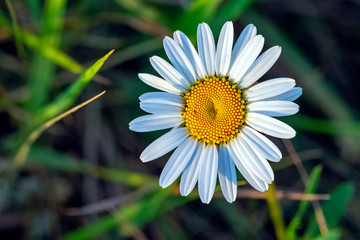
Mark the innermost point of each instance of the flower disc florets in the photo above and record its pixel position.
(214, 110)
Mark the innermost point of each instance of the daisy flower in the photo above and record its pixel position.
(216, 113)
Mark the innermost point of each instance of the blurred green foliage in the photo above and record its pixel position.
(83, 178)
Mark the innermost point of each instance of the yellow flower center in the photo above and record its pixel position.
(214, 110)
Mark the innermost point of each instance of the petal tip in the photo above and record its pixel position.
(206, 201)
(143, 158)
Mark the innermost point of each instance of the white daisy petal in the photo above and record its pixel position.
(290, 95)
(246, 58)
(258, 163)
(260, 66)
(161, 107)
(269, 125)
(265, 164)
(177, 162)
(269, 88)
(169, 73)
(155, 96)
(252, 162)
(208, 173)
(191, 53)
(261, 144)
(275, 108)
(161, 103)
(248, 33)
(223, 50)
(177, 38)
(227, 175)
(148, 123)
(164, 144)
(178, 58)
(190, 175)
(206, 47)
(158, 83)
(249, 176)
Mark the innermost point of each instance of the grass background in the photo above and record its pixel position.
(82, 178)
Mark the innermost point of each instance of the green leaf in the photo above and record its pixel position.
(69, 96)
(42, 70)
(48, 51)
(16, 29)
(333, 209)
(311, 187)
(51, 53)
(275, 213)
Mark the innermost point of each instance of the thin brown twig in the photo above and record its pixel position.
(294, 157)
(279, 194)
(25, 147)
(305, 155)
(110, 203)
(106, 204)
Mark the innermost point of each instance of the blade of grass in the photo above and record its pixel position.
(294, 157)
(53, 21)
(69, 96)
(41, 73)
(311, 187)
(51, 53)
(275, 213)
(16, 29)
(42, 70)
(25, 147)
(60, 104)
(333, 209)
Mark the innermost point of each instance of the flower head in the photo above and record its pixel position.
(216, 112)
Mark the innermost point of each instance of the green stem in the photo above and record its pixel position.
(16, 29)
(275, 213)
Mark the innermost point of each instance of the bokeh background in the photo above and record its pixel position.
(82, 177)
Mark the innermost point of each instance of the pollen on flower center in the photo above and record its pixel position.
(214, 110)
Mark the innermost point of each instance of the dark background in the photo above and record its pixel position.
(83, 179)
